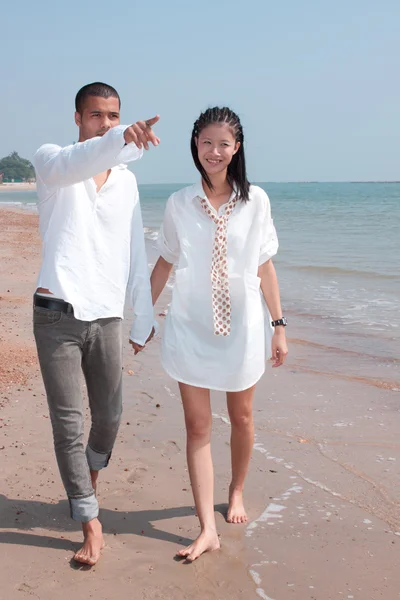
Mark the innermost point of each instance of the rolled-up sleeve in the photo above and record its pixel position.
(269, 240)
(139, 290)
(168, 241)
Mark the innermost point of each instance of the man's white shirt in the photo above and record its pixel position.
(94, 252)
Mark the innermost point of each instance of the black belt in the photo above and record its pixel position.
(51, 304)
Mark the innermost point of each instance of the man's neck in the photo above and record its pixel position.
(101, 179)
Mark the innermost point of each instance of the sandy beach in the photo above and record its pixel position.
(323, 494)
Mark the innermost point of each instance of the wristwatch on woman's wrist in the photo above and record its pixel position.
(279, 322)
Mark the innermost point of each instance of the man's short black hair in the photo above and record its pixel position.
(98, 89)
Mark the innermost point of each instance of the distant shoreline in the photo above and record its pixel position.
(17, 187)
(31, 187)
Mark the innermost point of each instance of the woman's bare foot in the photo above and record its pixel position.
(236, 511)
(93, 543)
(94, 476)
(207, 541)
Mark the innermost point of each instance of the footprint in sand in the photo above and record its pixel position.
(171, 448)
(28, 589)
(137, 474)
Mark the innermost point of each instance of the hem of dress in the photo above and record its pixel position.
(215, 389)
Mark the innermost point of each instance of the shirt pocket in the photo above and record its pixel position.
(253, 310)
(43, 317)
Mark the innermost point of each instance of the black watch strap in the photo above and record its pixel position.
(278, 322)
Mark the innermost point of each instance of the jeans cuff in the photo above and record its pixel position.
(84, 509)
(97, 460)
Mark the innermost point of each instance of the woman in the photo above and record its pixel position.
(221, 235)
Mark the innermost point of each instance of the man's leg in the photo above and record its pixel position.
(102, 366)
(60, 339)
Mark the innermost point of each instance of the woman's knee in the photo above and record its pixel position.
(198, 428)
(242, 420)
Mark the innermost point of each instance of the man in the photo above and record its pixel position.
(93, 256)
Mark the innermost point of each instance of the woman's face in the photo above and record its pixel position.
(216, 146)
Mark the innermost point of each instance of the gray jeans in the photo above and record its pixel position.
(66, 347)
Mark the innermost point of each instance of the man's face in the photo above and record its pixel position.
(98, 116)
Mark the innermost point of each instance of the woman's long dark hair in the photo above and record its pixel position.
(236, 175)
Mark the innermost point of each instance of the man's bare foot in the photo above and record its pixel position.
(236, 511)
(94, 476)
(207, 541)
(93, 543)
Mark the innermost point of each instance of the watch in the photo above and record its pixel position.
(278, 322)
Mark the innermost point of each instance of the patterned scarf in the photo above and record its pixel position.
(221, 298)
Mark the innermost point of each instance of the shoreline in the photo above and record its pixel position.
(23, 187)
(18, 187)
(324, 357)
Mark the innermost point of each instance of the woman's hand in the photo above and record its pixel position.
(270, 290)
(279, 346)
(137, 347)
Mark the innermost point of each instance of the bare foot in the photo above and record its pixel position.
(207, 541)
(94, 476)
(236, 511)
(93, 543)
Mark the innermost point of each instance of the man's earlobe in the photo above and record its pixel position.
(78, 119)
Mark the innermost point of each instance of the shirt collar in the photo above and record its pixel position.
(197, 191)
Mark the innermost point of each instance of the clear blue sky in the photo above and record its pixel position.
(316, 83)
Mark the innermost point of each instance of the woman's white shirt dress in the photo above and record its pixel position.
(191, 351)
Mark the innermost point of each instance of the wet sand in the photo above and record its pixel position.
(322, 494)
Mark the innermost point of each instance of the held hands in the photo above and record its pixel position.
(279, 347)
(137, 348)
(141, 133)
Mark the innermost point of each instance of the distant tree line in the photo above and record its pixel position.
(14, 167)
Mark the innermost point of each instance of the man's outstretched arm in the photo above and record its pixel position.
(57, 166)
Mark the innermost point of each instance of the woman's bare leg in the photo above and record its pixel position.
(240, 409)
(198, 419)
